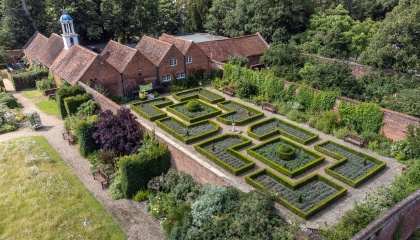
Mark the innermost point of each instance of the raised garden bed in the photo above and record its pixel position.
(223, 151)
(302, 161)
(188, 133)
(353, 167)
(305, 198)
(273, 126)
(206, 111)
(200, 93)
(238, 113)
(150, 109)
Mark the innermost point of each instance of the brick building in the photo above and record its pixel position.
(33, 47)
(51, 50)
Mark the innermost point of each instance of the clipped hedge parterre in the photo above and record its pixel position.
(149, 109)
(200, 93)
(206, 111)
(239, 113)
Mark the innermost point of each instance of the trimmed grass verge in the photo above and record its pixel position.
(49, 107)
(305, 198)
(32, 93)
(353, 167)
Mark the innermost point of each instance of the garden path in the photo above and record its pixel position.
(133, 217)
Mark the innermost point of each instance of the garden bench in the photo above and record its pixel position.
(355, 139)
(68, 136)
(269, 107)
(101, 177)
(229, 91)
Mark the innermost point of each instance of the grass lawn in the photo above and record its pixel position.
(49, 107)
(32, 93)
(42, 199)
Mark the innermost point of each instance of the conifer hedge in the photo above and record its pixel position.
(64, 92)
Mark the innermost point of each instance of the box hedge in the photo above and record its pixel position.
(232, 150)
(72, 103)
(195, 93)
(65, 92)
(341, 160)
(84, 131)
(159, 103)
(190, 139)
(222, 118)
(341, 191)
(196, 119)
(318, 158)
(138, 169)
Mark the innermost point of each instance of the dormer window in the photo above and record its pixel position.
(188, 60)
(173, 62)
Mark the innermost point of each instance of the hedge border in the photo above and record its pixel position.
(341, 191)
(281, 132)
(221, 118)
(198, 95)
(232, 150)
(191, 139)
(341, 160)
(318, 158)
(196, 119)
(155, 106)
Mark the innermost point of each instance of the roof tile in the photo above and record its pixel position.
(34, 46)
(51, 50)
(153, 49)
(182, 44)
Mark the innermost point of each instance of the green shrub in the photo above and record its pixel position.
(340, 133)
(284, 109)
(72, 103)
(45, 84)
(87, 108)
(193, 106)
(326, 122)
(10, 101)
(285, 152)
(142, 195)
(305, 96)
(64, 92)
(161, 204)
(87, 143)
(115, 188)
(297, 116)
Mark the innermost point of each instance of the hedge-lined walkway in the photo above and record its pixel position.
(133, 217)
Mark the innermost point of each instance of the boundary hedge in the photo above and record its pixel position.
(72, 103)
(178, 97)
(65, 92)
(190, 139)
(232, 150)
(341, 160)
(156, 106)
(222, 118)
(281, 132)
(196, 119)
(318, 158)
(304, 214)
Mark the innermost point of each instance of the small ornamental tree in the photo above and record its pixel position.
(120, 132)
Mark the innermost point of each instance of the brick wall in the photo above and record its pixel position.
(165, 67)
(199, 60)
(397, 223)
(103, 102)
(131, 72)
(101, 72)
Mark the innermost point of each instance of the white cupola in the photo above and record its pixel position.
(69, 36)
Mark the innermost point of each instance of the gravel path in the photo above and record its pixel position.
(133, 217)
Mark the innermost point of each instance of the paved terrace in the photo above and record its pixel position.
(327, 216)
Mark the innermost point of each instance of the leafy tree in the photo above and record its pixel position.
(120, 132)
(4, 57)
(284, 60)
(215, 20)
(198, 11)
(395, 44)
(413, 138)
(405, 101)
(170, 17)
(361, 35)
(239, 60)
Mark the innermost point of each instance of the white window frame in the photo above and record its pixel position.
(180, 75)
(173, 62)
(188, 60)
(166, 78)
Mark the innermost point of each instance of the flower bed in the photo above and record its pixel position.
(150, 109)
(302, 161)
(201, 93)
(222, 151)
(238, 113)
(206, 111)
(188, 133)
(353, 167)
(273, 126)
(305, 198)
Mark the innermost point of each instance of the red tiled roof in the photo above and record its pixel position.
(34, 46)
(51, 50)
(221, 50)
(118, 55)
(71, 64)
(182, 44)
(153, 49)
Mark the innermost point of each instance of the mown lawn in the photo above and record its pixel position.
(32, 93)
(42, 199)
(49, 107)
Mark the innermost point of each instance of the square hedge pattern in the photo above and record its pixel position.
(305, 198)
(238, 113)
(353, 167)
(222, 150)
(303, 160)
(149, 109)
(200, 93)
(207, 111)
(188, 133)
(273, 126)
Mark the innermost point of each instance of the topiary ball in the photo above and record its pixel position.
(285, 152)
(193, 106)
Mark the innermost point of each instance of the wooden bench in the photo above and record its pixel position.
(68, 136)
(355, 139)
(270, 107)
(229, 91)
(101, 177)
